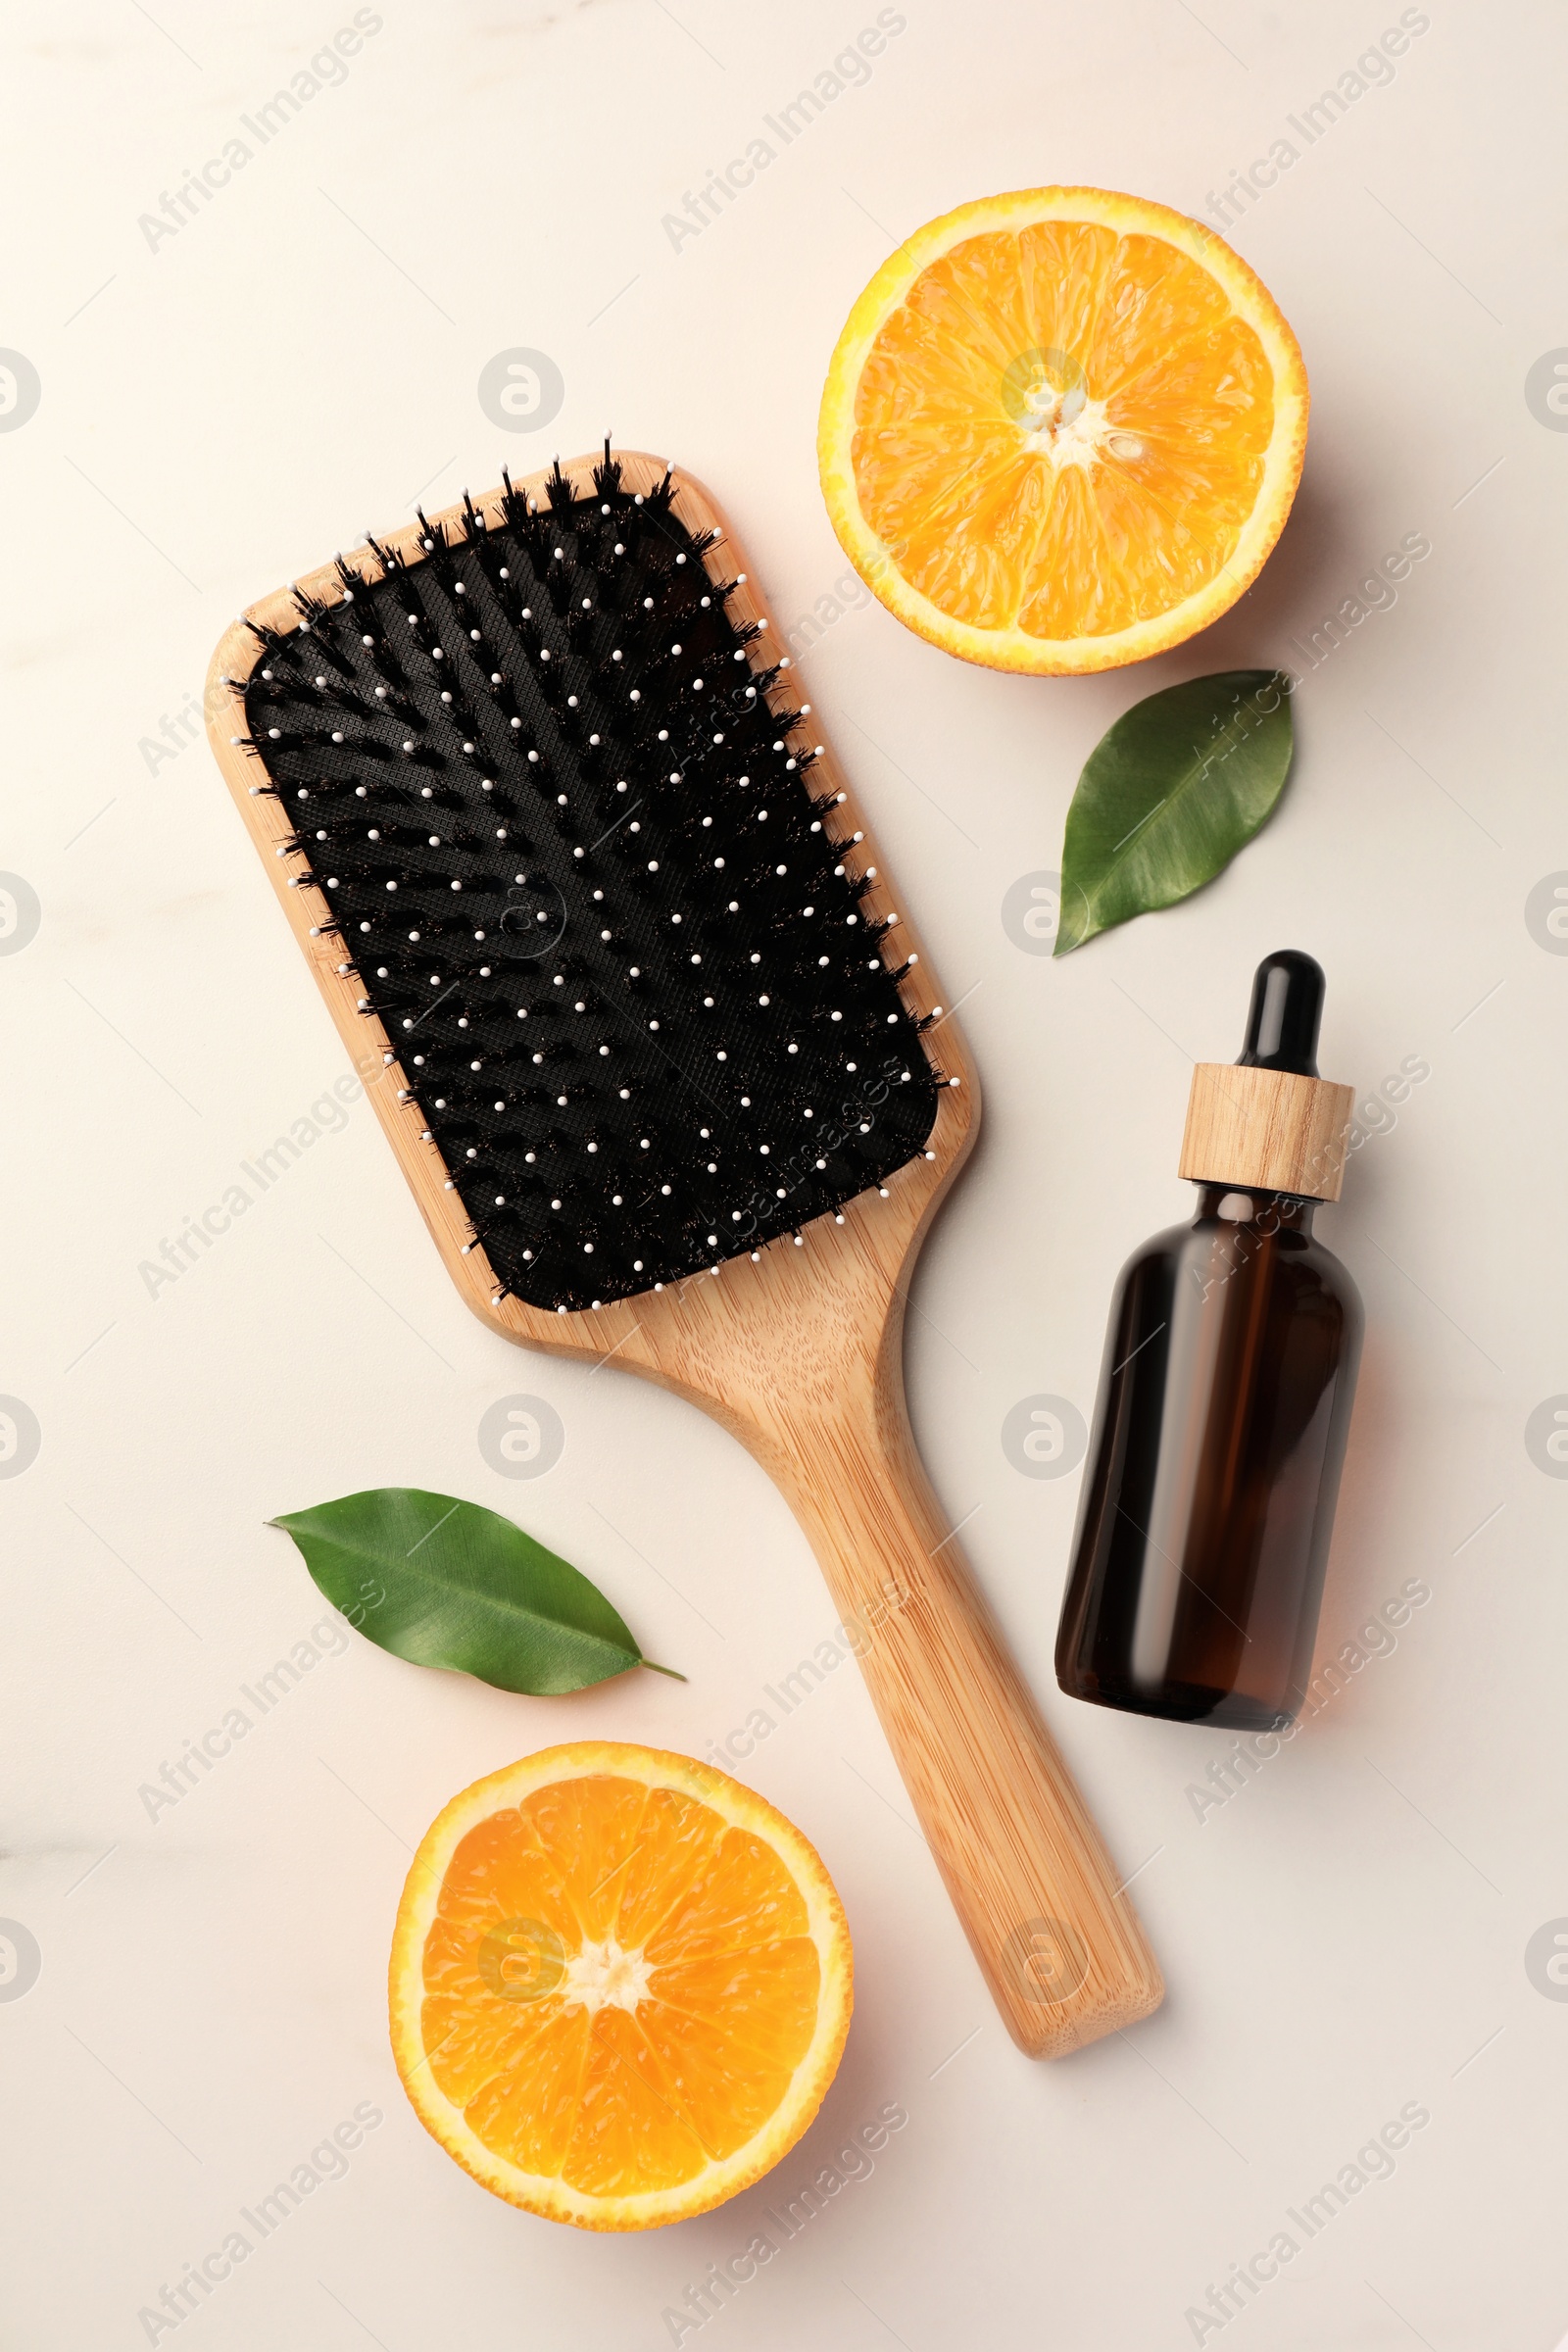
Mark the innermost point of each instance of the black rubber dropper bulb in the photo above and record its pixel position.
(1286, 1007)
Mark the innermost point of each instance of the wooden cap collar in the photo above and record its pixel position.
(1268, 1130)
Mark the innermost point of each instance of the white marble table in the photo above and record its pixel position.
(237, 377)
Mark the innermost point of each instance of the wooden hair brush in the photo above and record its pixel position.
(666, 1069)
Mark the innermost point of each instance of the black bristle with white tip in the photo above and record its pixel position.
(570, 840)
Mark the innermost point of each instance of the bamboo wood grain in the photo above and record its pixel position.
(1271, 1130)
(800, 1355)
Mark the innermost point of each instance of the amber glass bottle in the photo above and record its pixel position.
(1224, 1401)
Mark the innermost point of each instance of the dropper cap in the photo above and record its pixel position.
(1267, 1123)
(1286, 1007)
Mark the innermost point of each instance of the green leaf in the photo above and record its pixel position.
(445, 1583)
(1170, 793)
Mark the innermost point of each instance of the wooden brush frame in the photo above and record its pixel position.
(800, 1355)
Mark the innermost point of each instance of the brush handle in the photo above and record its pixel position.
(1062, 1948)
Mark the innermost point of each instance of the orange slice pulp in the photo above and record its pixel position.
(620, 1984)
(1062, 429)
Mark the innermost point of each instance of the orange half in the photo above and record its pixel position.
(1061, 431)
(620, 1984)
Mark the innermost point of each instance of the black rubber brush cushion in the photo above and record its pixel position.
(576, 858)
